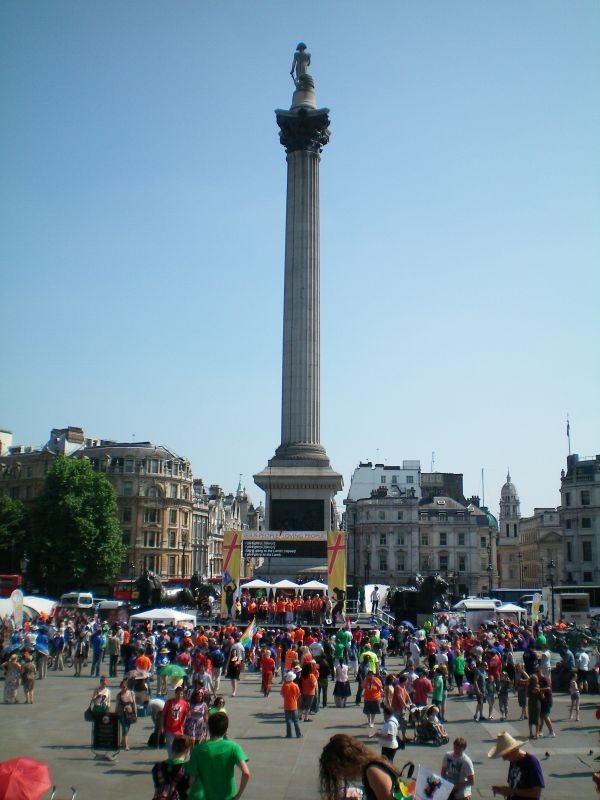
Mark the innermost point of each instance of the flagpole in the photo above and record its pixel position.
(569, 433)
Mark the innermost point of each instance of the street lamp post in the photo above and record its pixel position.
(183, 546)
(490, 571)
(542, 563)
(520, 570)
(551, 568)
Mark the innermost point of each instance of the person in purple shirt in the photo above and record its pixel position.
(525, 779)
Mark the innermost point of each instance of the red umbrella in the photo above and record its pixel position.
(23, 779)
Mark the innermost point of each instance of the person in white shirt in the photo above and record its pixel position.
(415, 652)
(457, 768)
(375, 600)
(583, 665)
(545, 663)
(388, 734)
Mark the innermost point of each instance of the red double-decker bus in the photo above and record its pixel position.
(125, 590)
(8, 583)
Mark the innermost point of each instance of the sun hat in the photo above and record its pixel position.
(504, 744)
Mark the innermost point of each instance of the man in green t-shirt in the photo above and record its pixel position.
(212, 764)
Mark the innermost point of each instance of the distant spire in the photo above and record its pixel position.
(508, 474)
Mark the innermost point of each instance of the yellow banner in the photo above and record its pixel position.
(232, 551)
(336, 562)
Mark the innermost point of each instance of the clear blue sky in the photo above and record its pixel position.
(142, 207)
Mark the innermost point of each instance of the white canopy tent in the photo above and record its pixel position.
(285, 584)
(166, 615)
(314, 586)
(511, 610)
(257, 583)
(39, 605)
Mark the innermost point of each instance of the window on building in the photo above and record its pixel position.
(515, 530)
(172, 565)
(443, 539)
(585, 497)
(382, 515)
(462, 563)
(173, 516)
(401, 539)
(152, 538)
(153, 465)
(586, 522)
(29, 472)
(172, 539)
(507, 529)
(127, 514)
(129, 465)
(586, 551)
(569, 551)
(461, 539)
(588, 577)
(424, 540)
(569, 524)
(28, 493)
(368, 515)
(567, 498)
(173, 491)
(410, 479)
(152, 515)
(184, 519)
(126, 536)
(394, 479)
(400, 561)
(14, 492)
(383, 478)
(443, 562)
(425, 562)
(400, 515)
(482, 542)
(127, 489)
(383, 539)
(152, 491)
(442, 516)
(423, 516)
(460, 515)
(383, 564)
(152, 563)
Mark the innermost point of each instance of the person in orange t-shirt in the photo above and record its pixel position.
(267, 668)
(308, 689)
(281, 610)
(373, 692)
(290, 691)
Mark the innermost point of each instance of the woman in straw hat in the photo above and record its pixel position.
(525, 779)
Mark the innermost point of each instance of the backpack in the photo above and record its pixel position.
(170, 781)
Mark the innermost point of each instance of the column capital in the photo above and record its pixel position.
(303, 129)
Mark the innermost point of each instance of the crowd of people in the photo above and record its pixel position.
(176, 676)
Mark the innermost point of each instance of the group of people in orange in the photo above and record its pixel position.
(283, 609)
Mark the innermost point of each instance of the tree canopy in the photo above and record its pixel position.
(75, 539)
(12, 534)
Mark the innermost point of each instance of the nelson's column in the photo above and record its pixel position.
(298, 481)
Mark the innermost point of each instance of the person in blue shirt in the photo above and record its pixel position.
(96, 643)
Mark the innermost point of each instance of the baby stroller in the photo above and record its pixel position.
(428, 729)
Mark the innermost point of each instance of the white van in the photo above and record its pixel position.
(77, 601)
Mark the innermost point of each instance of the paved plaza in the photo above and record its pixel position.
(53, 730)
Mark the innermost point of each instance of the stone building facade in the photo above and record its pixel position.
(393, 536)
(541, 548)
(155, 502)
(580, 519)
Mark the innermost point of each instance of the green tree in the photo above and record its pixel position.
(12, 534)
(75, 535)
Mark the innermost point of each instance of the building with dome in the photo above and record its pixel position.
(510, 571)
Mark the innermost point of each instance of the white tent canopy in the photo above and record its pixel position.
(510, 609)
(257, 583)
(40, 605)
(167, 615)
(285, 584)
(314, 585)
(475, 605)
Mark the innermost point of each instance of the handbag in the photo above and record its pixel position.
(403, 786)
(87, 714)
(130, 713)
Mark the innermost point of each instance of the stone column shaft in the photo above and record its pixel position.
(300, 420)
